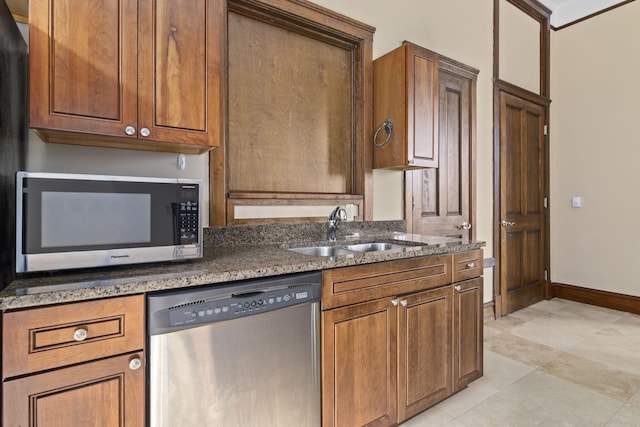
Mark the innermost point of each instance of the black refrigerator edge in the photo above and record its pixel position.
(13, 133)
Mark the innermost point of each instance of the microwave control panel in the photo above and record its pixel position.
(188, 218)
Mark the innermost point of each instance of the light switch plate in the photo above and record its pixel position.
(576, 201)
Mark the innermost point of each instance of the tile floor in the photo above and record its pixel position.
(555, 363)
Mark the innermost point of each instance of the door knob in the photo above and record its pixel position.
(464, 226)
(506, 223)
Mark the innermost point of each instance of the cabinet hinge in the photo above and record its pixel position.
(545, 130)
(545, 202)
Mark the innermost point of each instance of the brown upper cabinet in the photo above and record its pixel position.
(137, 74)
(406, 91)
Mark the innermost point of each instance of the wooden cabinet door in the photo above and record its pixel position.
(83, 65)
(440, 201)
(181, 46)
(467, 332)
(424, 350)
(359, 365)
(103, 393)
(422, 107)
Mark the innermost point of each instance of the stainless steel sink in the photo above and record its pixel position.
(322, 250)
(374, 247)
(335, 250)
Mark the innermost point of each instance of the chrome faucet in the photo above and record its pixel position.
(338, 215)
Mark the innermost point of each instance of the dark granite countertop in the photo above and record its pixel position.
(222, 263)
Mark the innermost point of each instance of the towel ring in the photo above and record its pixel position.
(388, 126)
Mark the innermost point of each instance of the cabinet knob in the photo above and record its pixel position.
(458, 288)
(135, 363)
(145, 132)
(403, 302)
(80, 334)
(394, 302)
(130, 130)
(506, 223)
(471, 265)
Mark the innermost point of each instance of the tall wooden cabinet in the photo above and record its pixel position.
(140, 74)
(406, 91)
(75, 365)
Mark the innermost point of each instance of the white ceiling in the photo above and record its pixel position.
(567, 11)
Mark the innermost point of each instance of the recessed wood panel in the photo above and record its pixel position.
(180, 39)
(424, 103)
(290, 111)
(514, 270)
(454, 143)
(534, 163)
(513, 168)
(86, 70)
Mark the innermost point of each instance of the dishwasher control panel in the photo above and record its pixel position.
(188, 308)
(240, 304)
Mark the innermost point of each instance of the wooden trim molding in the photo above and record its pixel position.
(612, 300)
(615, 6)
(488, 312)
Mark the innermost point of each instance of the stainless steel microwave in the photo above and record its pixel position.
(66, 221)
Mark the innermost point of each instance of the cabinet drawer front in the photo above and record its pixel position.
(350, 285)
(50, 337)
(467, 265)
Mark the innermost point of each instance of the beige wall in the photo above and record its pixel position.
(519, 48)
(595, 147)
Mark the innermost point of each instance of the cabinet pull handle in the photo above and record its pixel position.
(458, 288)
(403, 302)
(471, 265)
(145, 132)
(387, 126)
(130, 130)
(394, 302)
(135, 363)
(80, 334)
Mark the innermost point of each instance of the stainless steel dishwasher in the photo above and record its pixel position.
(244, 354)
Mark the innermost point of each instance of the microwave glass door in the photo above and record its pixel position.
(63, 215)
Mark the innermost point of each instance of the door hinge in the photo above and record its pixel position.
(546, 275)
(545, 202)
(545, 130)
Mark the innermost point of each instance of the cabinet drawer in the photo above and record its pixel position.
(350, 285)
(50, 337)
(467, 265)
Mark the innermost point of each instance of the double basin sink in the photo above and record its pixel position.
(351, 249)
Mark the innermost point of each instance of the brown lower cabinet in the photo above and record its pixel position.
(390, 358)
(106, 392)
(75, 365)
